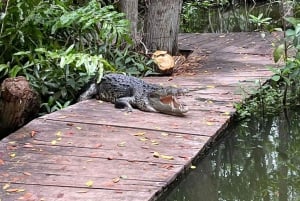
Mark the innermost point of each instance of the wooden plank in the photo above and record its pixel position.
(57, 193)
(106, 114)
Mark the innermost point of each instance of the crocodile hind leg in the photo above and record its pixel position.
(89, 93)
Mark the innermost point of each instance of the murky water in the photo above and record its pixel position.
(258, 160)
(234, 19)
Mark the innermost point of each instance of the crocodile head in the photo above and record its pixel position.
(166, 101)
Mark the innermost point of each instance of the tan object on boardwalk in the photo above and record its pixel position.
(165, 62)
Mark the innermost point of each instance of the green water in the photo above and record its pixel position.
(258, 160)
(229, 19)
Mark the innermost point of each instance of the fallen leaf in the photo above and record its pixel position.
(11, 147)
(210, 86)
(226, 113)
(156, 154)
(14, 190)
(122, 144)
(167, 166)
(164, 134)
(79, 128)
(28, 145)
(5, 186)
(33, 133)
(167, 157)
(83, 191)
(12, 155)
(185, 157)
(58, 133)
(139, 134)
(116, 180)
(89, 183)
(98, 145)
(143, 139)
(70, 124)
(53, 142)
(193, 167)
(209, 123)
(123, 177)
(26, 197)
(27, 173)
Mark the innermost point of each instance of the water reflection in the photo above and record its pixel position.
(259, 160)
(233, 19)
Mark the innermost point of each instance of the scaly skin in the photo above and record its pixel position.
(127, 91)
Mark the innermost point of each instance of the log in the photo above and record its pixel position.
(164, 62)
(19, 104)
(167, 64)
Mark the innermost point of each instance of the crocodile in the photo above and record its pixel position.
(130, 92)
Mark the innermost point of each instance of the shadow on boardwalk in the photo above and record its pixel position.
(92, 151)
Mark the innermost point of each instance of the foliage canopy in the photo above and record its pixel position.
(60, 46)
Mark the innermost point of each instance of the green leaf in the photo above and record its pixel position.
(3, 67)
(290, 33)
(279, 53)
(276, 78)
(15, 70)
(21, 53)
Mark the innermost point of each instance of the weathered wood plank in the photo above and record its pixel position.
(57, 193)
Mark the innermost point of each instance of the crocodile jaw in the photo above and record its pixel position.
(168, 104)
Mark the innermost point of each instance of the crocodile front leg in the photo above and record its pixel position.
(125, 102)
(147, 107)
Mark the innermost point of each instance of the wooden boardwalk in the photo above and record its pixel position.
(91, 151)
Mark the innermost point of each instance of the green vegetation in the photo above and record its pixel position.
(283, 89)
(222, 16)
(59, 46)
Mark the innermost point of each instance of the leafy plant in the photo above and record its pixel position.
(264, 99)
(60, 46)
(57, 75)
(259, 20)
(284, 86)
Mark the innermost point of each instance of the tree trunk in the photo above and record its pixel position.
(287, 8)
(18, 104)
(130, 8)
(161, 25)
